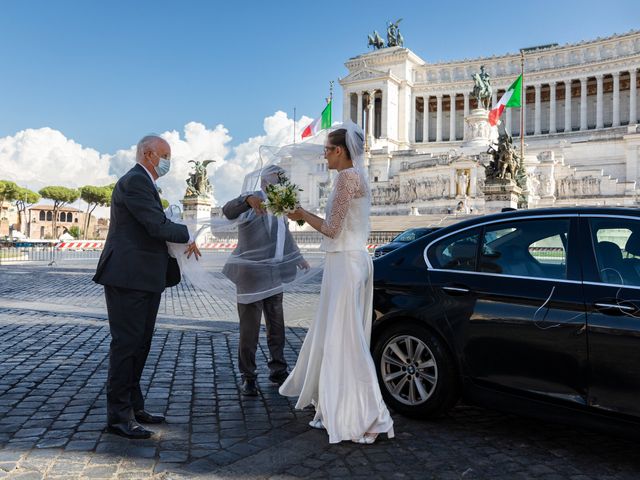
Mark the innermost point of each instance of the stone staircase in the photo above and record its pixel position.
(588, 185)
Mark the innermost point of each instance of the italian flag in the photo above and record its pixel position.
(510, 99)
(324, 121)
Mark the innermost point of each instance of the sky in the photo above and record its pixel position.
(82, 80)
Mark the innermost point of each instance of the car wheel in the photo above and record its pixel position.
(416, 372)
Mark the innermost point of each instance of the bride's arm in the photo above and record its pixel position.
(346, 188)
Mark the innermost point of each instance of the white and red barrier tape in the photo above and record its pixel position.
(99, 245)
(91, 245)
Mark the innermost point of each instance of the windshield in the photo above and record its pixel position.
(409, 236)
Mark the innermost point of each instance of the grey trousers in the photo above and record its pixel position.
(250, 316)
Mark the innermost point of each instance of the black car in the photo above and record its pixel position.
(521, 310)
(402, 239)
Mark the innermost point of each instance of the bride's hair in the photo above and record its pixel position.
(339, 139)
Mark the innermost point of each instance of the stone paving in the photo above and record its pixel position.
(53, 361)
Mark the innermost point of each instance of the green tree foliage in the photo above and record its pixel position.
(75, 232)
(8, 191)
(24, 199)
(60, 196)
(94, 196)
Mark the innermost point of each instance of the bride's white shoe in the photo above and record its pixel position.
(366, 439)
(317, 424)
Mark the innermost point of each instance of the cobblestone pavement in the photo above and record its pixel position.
(53, 362)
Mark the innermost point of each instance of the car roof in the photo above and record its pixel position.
(541, 212)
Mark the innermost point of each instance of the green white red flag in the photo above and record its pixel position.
(510, 99)
(320, 123)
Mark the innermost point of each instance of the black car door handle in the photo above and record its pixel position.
(456, 290)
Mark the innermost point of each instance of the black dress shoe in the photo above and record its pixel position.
(278, 378)
(249, 388)
(143, 416)
(130, 429)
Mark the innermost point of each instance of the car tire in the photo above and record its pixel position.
(424, 386)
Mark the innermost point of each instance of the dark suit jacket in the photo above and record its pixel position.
(262, 246)
(135, 254)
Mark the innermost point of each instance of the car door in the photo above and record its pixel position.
(519, 315)
(611, 264)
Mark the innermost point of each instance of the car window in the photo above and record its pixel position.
(549, 250)
(457, 252)
(616, 243)
(405, 237)
(526, 248)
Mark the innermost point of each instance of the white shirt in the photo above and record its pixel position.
(150, 176)
(156, 185)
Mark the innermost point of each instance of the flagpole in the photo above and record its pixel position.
(523, 102)
(330, 99)
(294, 124)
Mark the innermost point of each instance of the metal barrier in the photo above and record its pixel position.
(49, 254)
(90, 249)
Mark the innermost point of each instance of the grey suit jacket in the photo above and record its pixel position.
(256, 243)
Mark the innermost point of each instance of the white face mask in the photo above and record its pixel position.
(163, 166)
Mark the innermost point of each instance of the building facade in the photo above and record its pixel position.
(39, 222)
(580, 123)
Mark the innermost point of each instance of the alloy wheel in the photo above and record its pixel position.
(409, 370)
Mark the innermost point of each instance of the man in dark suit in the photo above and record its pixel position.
(135, 268)
(255, 269)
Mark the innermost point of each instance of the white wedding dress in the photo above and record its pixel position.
(335, 371)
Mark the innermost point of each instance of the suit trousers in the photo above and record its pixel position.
(250, 316)
(132, 318)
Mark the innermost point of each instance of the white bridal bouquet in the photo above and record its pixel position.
(282, 197)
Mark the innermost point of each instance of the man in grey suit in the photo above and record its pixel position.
(266, 257)
(135, 268)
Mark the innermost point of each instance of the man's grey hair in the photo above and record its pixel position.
(147, 143)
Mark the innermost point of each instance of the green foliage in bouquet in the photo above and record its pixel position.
(282, 197)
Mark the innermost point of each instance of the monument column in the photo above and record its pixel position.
(536, 121)
(346, 105)
(439, 117)
(567, 105)
(383, 112)
(616, 99)
(494, 98)
(452, 117)
(414, 115)
(583, 104)
(599, 101)
(370, 116)
(552, 107)
(359, 115)
(425, 119)
(633, 116)
(508, 120)
(466, 103)
(372, 121)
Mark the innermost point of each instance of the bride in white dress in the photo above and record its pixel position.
(335, 371)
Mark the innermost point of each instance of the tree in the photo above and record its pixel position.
(60, 197)
(75, 232)
(25, 199)
(94, 196)
(8, 191)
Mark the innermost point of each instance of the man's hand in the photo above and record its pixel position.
(192, 249)
(304, 265)
(256, 203)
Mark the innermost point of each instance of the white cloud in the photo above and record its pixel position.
(38, 157)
